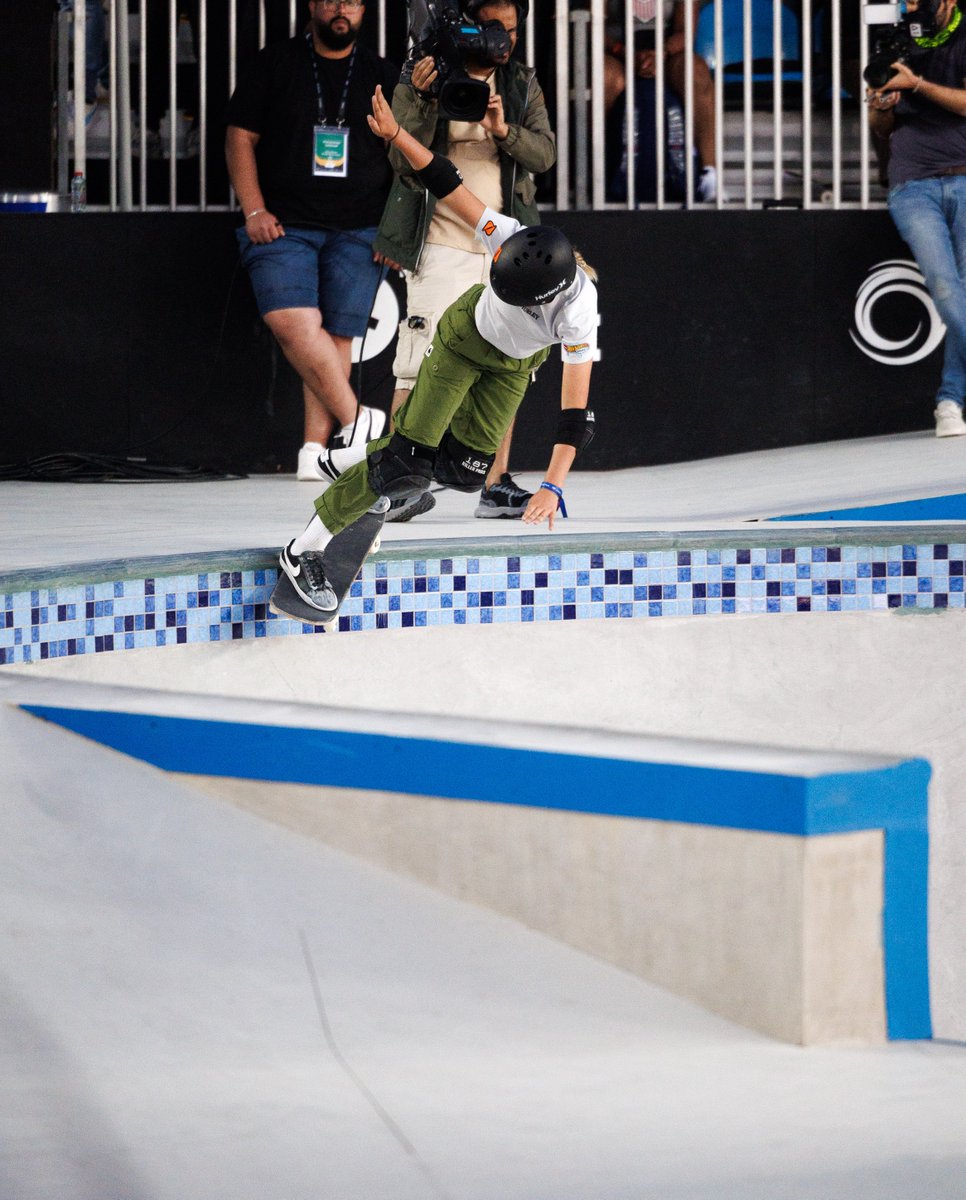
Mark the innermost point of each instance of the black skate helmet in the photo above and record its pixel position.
(532, 266)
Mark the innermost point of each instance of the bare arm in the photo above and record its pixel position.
(240, 146)
(462, 201)
(882, 101)
(574, 393)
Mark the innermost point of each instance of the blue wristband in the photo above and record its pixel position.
(558, 492)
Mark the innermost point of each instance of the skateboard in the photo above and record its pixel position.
(342, 560)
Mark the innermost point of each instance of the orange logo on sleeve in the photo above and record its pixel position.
(489, 229)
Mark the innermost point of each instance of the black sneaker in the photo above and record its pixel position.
(411, 506)
(308, 578)
(503, 499)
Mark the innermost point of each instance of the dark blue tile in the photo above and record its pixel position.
(894, 601)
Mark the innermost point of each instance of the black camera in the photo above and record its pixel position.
(897, 42)
(450, 38)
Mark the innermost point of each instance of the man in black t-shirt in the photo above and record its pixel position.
(312, 180)
(921, 113)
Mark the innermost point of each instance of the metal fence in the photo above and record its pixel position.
(788, 123)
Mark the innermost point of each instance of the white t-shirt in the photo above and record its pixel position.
(570, 318)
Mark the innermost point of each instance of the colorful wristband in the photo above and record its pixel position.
(558, 492)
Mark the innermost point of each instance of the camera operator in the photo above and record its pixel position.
(498, 157)
(921, 113)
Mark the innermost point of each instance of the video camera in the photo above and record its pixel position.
(450, 38)
(897, 43)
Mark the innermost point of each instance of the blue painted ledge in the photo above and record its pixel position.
(891, 798)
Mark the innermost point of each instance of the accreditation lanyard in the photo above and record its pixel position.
(330, 143)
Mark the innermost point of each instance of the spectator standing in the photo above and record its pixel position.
(922, 112)
(498, 157)
(312, 180)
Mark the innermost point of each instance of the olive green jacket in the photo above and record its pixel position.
(528, 149)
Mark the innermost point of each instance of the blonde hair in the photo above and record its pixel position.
(585, 266)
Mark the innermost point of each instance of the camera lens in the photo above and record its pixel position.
(464, 99)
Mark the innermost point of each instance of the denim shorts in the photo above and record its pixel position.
(331, 270)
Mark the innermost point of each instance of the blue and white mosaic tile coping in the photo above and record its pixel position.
(174, 600)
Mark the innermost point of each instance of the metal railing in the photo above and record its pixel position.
(786, 130)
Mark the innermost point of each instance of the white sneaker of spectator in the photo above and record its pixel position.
(708, 188)
(346, 447)
(949, 419)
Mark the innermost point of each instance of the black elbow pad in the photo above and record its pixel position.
(440, 177)
(575, 428)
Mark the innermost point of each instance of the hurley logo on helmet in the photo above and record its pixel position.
(544, 296)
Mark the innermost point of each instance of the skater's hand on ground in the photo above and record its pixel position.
(542, 507)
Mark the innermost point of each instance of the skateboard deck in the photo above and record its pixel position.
(342, 560)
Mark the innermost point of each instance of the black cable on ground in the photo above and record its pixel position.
(100, 468)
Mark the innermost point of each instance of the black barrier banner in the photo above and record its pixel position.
(721, 332)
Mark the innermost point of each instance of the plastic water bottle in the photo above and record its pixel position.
(78, 192)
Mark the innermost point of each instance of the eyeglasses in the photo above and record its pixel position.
(348, 5)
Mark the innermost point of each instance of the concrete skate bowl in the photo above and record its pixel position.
(734, 808)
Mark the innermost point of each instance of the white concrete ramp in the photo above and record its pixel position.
(164, 1034)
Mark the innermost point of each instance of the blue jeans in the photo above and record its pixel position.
(328, 269)
(930, 215)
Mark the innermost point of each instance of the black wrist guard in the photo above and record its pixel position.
(575, 428)
(440, 177)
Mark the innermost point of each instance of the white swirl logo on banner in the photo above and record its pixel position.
(383, 322)
(897, 275)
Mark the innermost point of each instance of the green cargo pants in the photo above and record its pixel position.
(464, 384)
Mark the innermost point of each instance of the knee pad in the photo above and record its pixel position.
(461, 467)
(402, 468)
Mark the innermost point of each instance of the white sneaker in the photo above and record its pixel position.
(949, 419)
(308, 467)
(708, 187)
(346, 446)
(368, 425)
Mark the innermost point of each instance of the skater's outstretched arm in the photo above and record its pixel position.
(574, 393)
(461, 200)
